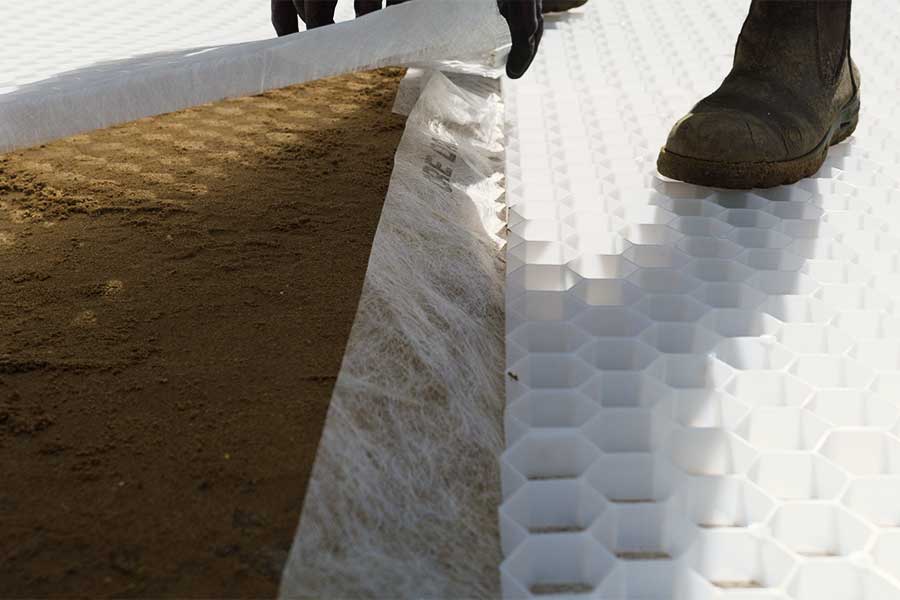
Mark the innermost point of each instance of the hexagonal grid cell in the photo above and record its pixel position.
(812, 338)
(704, 408)
(821, 249)
(554, 565)
(625, 389)
(753, 354)
(798, 309)
(836, 271)
(729, 295)
(864, 452)
(782, 428)
(602, 267)
(547, 278)
(832, 579)
(795, 210)
(538, 230)
(717, 270)
(548, 507)
(853, 408)
(886, 384)
(540, 253)
(644, 214)
(664, 281)
(606, 292)
(852, 297)
(874, 242)
(771, 260)
(544, 306)
(738, 200)
(798, 476)
(740, 323)
(549, 337)
(881, 355)
(832, 372)
(710, 452)
(611, 321)
(671, 307)
(876, 499)
(713, 502)
(546, 456)
(617, 354)
(651, 235)
(736, 560)
(645, 531)
(783, 283)
(656, 578)
(700, 227)
(593, 243)
(689, 371)
(759, 238)
(864, 324)
(806, 229)
(748, 217)
(633, 478)
(656, 257)
(628, 429)
(547, 410)
(554, 371)
(816, 530)
(690, 207)
(709, 247)
(887, 552)
(679, 338)
(827, 187)
(769, 388)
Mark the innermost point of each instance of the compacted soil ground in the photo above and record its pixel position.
(175, 298)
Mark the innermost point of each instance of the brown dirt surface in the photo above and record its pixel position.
(175, 298)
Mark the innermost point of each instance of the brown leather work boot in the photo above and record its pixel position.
(554, 6)
(792, 93)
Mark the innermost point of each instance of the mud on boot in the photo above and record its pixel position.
(792, 93)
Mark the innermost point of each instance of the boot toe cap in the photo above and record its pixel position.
(725, 136)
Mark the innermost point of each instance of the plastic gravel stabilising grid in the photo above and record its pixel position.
(704, 385)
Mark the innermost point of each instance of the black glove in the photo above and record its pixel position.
(526, 26)
(316, 13)
(364, 7)
(321, 12)
(284, 17)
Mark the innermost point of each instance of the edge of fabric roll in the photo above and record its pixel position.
(118, 91)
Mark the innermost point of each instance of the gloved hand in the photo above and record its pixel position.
(526, 26)
(315, 13)
(364, 7)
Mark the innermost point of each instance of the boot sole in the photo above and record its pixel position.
(748, 175)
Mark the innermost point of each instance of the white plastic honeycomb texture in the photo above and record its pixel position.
(704, 385)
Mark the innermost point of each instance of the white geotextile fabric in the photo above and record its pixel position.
(91, 64)
(403, 496)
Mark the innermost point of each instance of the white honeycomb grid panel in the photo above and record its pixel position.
(703, 386)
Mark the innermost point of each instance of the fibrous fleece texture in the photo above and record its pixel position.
(402, 501)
